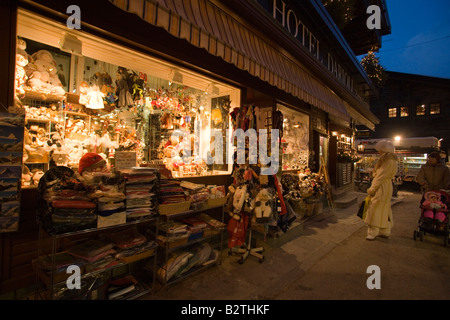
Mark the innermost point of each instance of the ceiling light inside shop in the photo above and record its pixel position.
(71, 44)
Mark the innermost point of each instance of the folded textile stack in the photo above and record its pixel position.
(174, 229)
(196, 193)
(130, 242)
(63, 202)
(110, 196)
(124, 288)
(92, 250)
(113, 204)
(195, 225)
(141, 190)
(213, 223)
(58, 263)
(216, 192)
(171, 191)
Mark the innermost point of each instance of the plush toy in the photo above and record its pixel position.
(43, 74)
(105, 143)
(239, 198)
(21, 62)
(54, 142)
(433, 204)
(263, 206)
(84, 90)
(125, 99)
(26, 176)
(138, 87)
(37, 175)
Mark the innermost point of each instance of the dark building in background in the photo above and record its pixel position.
(412, 105)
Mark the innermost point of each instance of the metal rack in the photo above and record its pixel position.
(50, 285)
(167, 247)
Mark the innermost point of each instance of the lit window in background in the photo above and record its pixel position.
(435, 108)
(420, 110)
(392, 112)
(404, 111)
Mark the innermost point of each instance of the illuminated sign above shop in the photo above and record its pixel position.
(290, 19)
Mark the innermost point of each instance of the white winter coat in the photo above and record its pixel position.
(379, 213)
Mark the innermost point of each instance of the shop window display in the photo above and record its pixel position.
(75, 105)
(295, 142)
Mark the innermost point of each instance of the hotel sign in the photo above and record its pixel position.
(291, 21)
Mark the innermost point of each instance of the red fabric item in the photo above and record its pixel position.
(237, 231)
(280, 195)
(89, 159)
(73, 204)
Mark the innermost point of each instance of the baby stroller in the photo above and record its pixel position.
(434, 209)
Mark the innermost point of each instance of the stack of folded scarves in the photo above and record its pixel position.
(171, 192)
(130, 242)
(141, 190)
(98, 254)
(63, 202)
(72, 214)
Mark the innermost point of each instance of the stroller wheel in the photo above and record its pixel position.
(415, 235)
(421, 235)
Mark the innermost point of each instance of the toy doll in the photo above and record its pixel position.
(433, 203)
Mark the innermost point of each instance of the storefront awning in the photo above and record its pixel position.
(360, 119)
(206, 26)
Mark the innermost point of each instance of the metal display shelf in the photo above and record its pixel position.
(49, 279)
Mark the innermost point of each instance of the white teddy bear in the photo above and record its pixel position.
(43, 73)
(21, 63)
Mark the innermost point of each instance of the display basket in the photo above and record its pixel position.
(172, 208)
(198, 205)
(299, 206)
(172, 243)
(217, 202)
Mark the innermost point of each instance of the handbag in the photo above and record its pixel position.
(363, 208)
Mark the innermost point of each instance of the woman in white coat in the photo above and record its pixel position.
(379, 213)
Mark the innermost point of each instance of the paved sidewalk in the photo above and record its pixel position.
(282, 265)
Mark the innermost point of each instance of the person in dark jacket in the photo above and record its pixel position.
(434, 175)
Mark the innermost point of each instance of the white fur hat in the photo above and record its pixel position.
(385, 146)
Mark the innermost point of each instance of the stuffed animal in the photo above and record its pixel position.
(239, 198)
(21, 62)
(37, 175)
(263, 206)
(26, 176)
(43, 74)
(433, 204)
(125, 99)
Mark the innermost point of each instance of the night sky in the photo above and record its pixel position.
(420, 39)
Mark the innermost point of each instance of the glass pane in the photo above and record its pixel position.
(295, 141)
(392, 112)
(404, 111)
(435, 108)
(420, 110)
